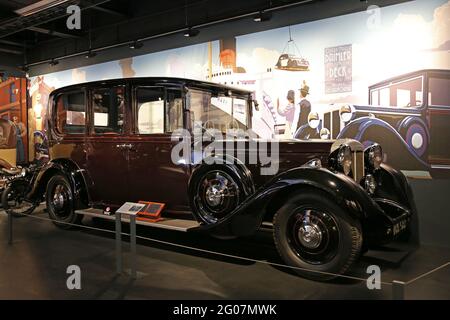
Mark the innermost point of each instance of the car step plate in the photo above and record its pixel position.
(165, 223)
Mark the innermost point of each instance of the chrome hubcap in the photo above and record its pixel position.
(313, 235)
(218, 195)
(310, 235)
(58, 200)
(214, 195)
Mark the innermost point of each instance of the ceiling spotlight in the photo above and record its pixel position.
(54, 62)
(262, 16)
(90, 54)
(191, 33)
(136, 45)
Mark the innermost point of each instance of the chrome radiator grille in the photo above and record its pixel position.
(332, 122)
(358, 166)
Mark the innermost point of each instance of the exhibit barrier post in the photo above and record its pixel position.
(118, 243)
(398, 290)
(133, 246)
(10, 228)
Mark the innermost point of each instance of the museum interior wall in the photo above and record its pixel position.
(387, 68)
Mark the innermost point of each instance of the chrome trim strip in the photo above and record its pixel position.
(447, 167)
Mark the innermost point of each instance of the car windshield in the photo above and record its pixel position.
(218, 112)
(403, 94)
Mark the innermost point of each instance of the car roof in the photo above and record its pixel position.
(157, 80)
(409, 75)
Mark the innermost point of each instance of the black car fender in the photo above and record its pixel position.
(410, 120)
(393, 185)
(247, 217)
(68, 169)
(232, 163)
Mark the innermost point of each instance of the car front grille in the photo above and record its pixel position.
(358, 166)
(332, 122)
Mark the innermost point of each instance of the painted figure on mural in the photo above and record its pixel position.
(288, 111)
(21, 132)
(304, 106)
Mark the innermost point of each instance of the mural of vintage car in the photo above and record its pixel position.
(409, 114)
(111, 142)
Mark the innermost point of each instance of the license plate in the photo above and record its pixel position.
(400, 226)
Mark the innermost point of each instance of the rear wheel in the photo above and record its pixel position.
(60, 203)
(311, 232)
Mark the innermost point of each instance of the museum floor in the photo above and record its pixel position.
(34, 267)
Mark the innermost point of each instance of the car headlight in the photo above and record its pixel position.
(347, 112)
(324, 134)
(373, 156)
(344, 159)
(313, 120)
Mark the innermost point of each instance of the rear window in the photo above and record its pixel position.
(71, 113)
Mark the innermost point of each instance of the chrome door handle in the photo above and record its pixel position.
(124, 146)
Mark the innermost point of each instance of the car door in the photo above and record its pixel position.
(438, 114)
(108, 145)
(158, 111)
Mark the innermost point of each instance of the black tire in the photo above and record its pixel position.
(13, 200)
(312, 232)
(60, 203)
(211, 179)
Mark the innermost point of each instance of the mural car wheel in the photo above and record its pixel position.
(59, 199)
(217, 193)
(417, 138)
(311, 232)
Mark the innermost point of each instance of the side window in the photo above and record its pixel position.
(374, 98)
(158, 110)
(109, 108)
(438, 92)
(150, 110)
(71, 113)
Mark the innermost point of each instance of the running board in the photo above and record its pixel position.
(182, 225)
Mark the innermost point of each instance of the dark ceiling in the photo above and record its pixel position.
(41, 36)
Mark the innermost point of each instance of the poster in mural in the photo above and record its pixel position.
(338, 69)
(383, 83)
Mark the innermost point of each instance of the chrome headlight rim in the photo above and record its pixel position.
(324, 134)
(313, 120)
(347, 113)
(344, 159)
(373, 157)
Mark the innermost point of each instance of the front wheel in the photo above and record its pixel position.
(14, 200)
(60, 203)
(315, 235)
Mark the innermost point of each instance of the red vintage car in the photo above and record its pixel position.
(112, 142)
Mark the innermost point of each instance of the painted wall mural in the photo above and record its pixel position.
(13, 107)
(347, 76)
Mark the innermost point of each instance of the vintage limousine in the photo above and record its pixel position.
(111, 142)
